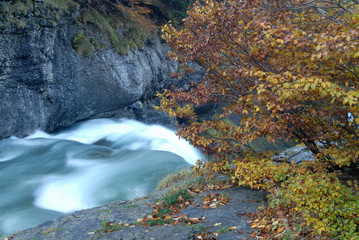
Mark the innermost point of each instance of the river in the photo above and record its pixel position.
(44, 176)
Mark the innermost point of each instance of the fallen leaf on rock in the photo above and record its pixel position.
(194, 190)
(215, 200)
(177, 218)
(240, 231)
(194, 220)
(217, 224)
(279, 230)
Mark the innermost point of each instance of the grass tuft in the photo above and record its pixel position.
(170, 180)
(172, 197)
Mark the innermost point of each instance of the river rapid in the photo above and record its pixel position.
(44, 176)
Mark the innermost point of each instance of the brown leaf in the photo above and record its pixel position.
(194, 220)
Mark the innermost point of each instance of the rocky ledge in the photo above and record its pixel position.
(197, 220)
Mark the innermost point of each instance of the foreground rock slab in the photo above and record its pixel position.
(84, 224)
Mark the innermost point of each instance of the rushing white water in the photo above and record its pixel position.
(46, 175)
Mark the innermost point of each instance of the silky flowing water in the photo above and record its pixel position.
(44, 176)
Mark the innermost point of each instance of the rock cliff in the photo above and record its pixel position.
(45, 84)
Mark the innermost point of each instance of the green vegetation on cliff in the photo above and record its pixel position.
(121, 25)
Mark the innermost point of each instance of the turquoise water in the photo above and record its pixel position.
(95, 162)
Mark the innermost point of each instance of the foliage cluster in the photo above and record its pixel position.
(289, 70)
(310, 206)
(124, 24)
(59, 7)
(18, 10)
(328, 206)
(128, 24)
(107, 26)
(82, 45)
(13, 13)
(107, 226)
(175, 10)
(172, 197)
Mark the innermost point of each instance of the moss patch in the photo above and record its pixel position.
(60, 7)
(82, 45)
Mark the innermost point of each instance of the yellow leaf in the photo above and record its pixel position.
(307, 86)
(254, 225)
(279, 230)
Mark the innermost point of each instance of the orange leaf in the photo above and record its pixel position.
(279, 230)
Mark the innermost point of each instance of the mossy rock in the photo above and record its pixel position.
(82, 45)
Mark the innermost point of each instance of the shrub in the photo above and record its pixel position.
(328, 206)
(82, 45)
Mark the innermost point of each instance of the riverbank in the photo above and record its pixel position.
(215, 210)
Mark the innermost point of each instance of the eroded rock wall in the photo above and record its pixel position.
(45, 85)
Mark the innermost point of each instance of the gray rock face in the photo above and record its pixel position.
(86, 224)
(295, 155)
(45, 85)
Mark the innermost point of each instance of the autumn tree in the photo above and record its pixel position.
(289, 69)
